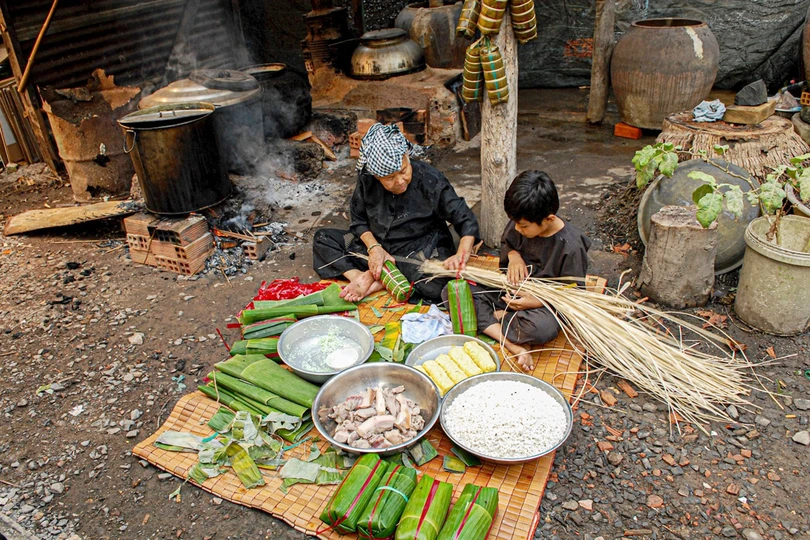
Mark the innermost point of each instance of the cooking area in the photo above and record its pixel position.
(410, 270)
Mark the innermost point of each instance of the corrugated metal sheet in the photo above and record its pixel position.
(130, 39)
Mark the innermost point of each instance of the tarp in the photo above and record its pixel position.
(758, 38)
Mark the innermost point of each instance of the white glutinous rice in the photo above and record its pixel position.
(506, 419)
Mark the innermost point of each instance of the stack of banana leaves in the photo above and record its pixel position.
(318, 303)
(248, 444)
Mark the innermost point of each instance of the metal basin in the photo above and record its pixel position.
(466, 384)
(322, 325)
(386, 53)
(418, 388)
(430, 349)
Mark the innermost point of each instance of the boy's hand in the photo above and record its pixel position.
(520, 303)
(517, 271)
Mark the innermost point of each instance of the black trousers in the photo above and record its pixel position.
(535, 326)
(331, 258)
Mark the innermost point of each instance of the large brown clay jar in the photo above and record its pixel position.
(662, 66)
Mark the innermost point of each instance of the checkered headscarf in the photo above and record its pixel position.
(382, 149)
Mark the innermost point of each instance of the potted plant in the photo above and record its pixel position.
(772, 294)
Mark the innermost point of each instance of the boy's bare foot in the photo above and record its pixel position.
(524, 357)
(361, 284)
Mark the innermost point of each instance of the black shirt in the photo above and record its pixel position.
(415, 220)
(563, 254)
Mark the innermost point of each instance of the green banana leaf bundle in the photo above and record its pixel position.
(268, 328)
(524, 20)
(472, 515)
(491, 16)
(468, 20)
(472, 85)
(395, 282)
(250, 316)
(265, 373)
(241, 388)
(461, 307)
(344, 508)
(266, 346)
(425, 512)
(329, 296)
(494, 73)
(380, 516)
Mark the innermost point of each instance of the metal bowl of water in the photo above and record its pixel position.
(418, 388)
(306, 346)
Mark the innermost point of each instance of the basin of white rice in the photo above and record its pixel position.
(505, 419)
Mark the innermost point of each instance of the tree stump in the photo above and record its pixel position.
(678, 267)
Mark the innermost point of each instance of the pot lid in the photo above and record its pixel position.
(189, 91)
(165, 116)
(386, 34)
(224, 79)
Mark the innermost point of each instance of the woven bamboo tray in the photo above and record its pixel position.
(521, 487)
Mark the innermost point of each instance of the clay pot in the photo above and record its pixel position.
(662, 66)
(433, 27)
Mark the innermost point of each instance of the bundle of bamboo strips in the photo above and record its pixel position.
(631, 341)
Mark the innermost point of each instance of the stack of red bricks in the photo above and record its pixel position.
(180, 245)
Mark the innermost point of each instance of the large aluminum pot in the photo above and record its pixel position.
(386, 53)
(177, 158)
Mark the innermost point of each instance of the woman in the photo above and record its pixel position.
(399, 209)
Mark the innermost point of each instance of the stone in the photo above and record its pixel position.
(733, 412)
(751, 534)
(165, 476)
(587, 504)
(135, 414)
(728, 532)
(654, 501)
(132, 434)
(136, 338)
(802, 404)
(58, 488)
(26, 509)
(802, 437)
(570, 505)
(761, 421)
(650, 407)
(615, 458)
(752, 95)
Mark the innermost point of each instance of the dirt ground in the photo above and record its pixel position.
(96, 350)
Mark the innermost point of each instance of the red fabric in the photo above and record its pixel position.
(287, 289)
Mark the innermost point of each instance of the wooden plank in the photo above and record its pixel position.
(600, 67)
(326, 150)
(302, 136)
(34, 220)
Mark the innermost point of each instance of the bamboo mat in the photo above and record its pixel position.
(521, 487)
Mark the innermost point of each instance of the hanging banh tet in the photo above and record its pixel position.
(472, 515)
(524, 20)
(461, 307)
(265, 346)
(472, 87)
(381, 515)
(395, 282)
(494, 73)
(425, 512)
(344, 508)
(468, 20)
(491, 16)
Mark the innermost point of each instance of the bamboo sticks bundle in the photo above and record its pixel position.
(630, 340)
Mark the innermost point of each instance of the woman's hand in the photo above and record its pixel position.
(517, 271)
(458, 262)
(518, 302)
(376, 258)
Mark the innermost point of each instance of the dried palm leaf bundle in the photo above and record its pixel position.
(631, 341)
(395, 282)
(380, 516)
(524, 20)
(472, 515)
(494, 73)
(461, 307)
(472, 88)
(426, 510)
(491, 16)
(468, 20)
(344, 508)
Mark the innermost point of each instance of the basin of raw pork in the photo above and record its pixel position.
(379, 417)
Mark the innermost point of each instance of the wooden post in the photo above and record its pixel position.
(499, 142)
(678, 267)
(600, 68)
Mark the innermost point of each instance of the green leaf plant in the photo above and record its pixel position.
(712, 197)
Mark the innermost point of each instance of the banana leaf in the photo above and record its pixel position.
(472, 515)
(329, 296)
(353, 494)
(461, 307)
(425, 512)
(380, 516)
(244, 467)
(266, 346)
(269, 327)
(242, 388)
(266, 374)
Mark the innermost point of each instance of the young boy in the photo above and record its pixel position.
(535, 243)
